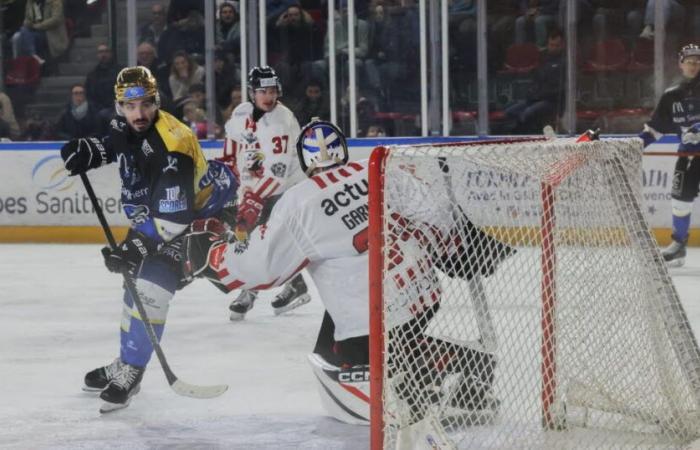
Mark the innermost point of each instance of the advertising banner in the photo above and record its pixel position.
(35, 190)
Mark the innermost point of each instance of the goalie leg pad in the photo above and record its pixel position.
(344, 391)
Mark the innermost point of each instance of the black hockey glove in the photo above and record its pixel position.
(204, 236)
(128, 255)
(81, 155)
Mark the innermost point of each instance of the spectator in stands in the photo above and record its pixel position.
(7, 117)
(181, 10)
(226, 76)
(196, 119)
(227, 35)
(296, 40)
(43, 33)
(185, 31)
(393, 52)
(152, 31)
(197, 95)
(235, 99)
(537, 15)
(275, 8)
(79, 119)
(99, 82)
(546, 98)
(35, 128)
(375, 131)
(314, 104)
(500, 25)
(671, 11)
(320, 67)
(184, 72)
(612, 18)
(146, 56)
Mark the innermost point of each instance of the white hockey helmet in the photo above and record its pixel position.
(321, 145)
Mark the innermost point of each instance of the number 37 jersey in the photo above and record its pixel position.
(263, 151)
(320, 224)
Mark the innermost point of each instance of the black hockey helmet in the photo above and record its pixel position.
(261, 77)
(688, 50)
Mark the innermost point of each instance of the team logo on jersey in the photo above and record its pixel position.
(677, 107)
(146, 148)
(278, 169)
(216, 174)
(174, 201)
(137, 214)
(250, 125)
(172, 164)
(129, 176)
(677, 183)
(117, 125)
(254, 163)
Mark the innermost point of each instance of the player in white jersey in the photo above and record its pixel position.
(321, 224)
(259, 148)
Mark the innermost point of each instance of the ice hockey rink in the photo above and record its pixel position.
(59, 317)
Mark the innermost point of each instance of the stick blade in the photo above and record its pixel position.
(194, 391)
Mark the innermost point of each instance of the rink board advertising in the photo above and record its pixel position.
(35, 190)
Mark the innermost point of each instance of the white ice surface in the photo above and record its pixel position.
(59, 317)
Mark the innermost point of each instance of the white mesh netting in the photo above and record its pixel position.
(526, 304)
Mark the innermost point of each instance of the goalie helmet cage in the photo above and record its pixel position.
(519, 300)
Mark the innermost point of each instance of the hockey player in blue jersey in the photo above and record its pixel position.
(678, 112)
(166, 184)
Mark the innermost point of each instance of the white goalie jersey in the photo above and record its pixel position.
(265, 156)
(321, 224)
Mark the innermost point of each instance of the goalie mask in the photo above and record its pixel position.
(321, 145)
(135, 83)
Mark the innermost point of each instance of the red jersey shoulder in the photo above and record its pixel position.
(337, 175)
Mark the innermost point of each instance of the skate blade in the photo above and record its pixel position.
(236, 317)
(92, 390)
(107, 407)
(297, 302)
(678, 262)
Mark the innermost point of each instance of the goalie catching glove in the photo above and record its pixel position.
(81, 155)
(204, 237)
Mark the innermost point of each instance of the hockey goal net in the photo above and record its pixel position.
(518, 299)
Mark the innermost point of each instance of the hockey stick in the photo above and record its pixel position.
(484, 320)
(179, 386)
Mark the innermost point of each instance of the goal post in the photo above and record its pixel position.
(518, 298)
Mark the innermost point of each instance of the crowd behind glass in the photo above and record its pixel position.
(526, 47)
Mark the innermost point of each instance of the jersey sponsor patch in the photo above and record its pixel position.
(137, 214)
(174, 201)
(172, 164)
(146, 148)
(278, 169)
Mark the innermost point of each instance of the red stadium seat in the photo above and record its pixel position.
(23, 71)
(607, 56)
(642, 56)
(521, 58)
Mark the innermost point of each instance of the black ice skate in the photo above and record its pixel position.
(292, 296)
(98, 379)
(674, 254)
(241, 305)
(125, 384)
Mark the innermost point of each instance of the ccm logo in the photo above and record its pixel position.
(353, 377)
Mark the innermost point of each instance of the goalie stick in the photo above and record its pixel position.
(488, 340)
(180, 387)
